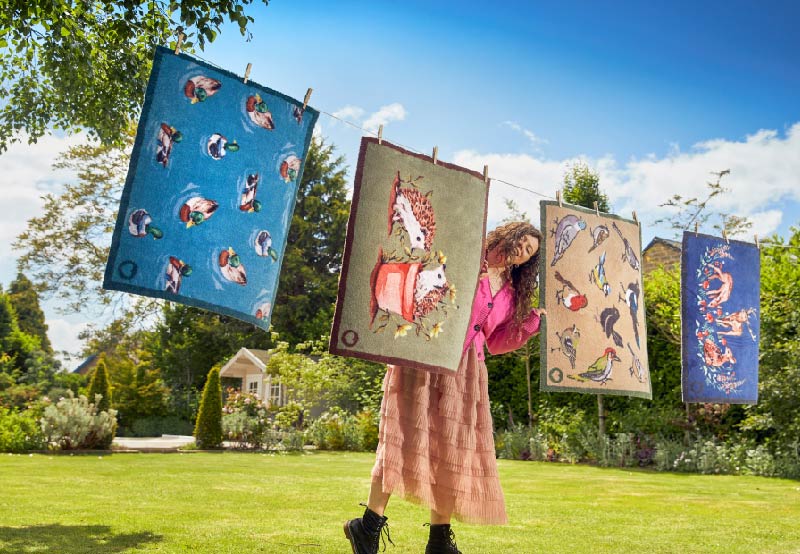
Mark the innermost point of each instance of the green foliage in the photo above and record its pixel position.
(582, 187)
(64, 250)
(776, 417)
(208, 428)
(82, 64)
(100, 385)
(336, 430)
(75, 424)
(30, 316)
(310, 270)
(687, 212)
(19, 431)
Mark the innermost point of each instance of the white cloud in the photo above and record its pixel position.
(25, 176)
(765, 172)
(386, 114)
(349, 113)
(63, 335)
(535, 140)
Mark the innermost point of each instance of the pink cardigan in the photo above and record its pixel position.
(491, 322)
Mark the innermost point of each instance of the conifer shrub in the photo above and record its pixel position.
(208, 428)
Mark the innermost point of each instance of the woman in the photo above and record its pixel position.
(436, 445)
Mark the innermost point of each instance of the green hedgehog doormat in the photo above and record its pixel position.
(594, 338)
(412, 259)
(210, 191)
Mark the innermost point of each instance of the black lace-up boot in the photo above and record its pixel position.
(442, 540)
(364, 533)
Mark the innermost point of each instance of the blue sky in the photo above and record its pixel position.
(653, 97)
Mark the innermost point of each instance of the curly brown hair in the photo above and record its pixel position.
(524, 277)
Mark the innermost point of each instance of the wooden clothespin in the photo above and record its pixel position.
(558, 198)
(307, 98)
(636, 219)
(247, 72)
(180, 42)
(596, 208)
(435, 154)
(758, 244)
(380, 134)
(695, 228)
(725, 236)
(486, 174)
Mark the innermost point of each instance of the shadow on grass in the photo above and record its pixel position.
(70, 539)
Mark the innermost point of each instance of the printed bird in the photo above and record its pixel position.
(259, 113)
(565, 232)
(218, 146)
(263, 311)
(600, 370)
(569, 296)
(167, 136)
(608, 318)
(629, 255)
(631, 298)
(637, 369)
(413, 210)
(290, 167)
(264, 245)
(599, 234)
(139, 225)
(176, 271)
(248, 202)
(197, 89)
(231, 266)
(197, 210)
(598, 275)
(569, 339)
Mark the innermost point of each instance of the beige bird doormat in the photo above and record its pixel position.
(594, 338)
(412, 259)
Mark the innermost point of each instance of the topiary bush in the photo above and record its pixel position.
(75, 424)
(208, 428)
(100, 384)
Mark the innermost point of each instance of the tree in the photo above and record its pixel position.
(582, 188)
(100, 384)
(83, 64)
(313, 258)
(30, 316)
(689, 212)
(208, 429)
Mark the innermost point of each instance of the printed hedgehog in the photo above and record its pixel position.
(414, 211)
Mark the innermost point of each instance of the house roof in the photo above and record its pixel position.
(670, 243)
(87, 365)
(245, 362)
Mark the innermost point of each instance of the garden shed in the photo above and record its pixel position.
(250, 366)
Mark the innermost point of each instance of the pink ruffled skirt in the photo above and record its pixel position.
(436, 445)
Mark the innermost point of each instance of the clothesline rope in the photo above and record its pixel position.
(537, 193)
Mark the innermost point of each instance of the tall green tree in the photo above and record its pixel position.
(313, 258)
(84, 64)
(100, 384)
(30, 316)
(582, 187)
(208, 429)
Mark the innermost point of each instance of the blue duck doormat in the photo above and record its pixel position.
(720, 315)
(210, 191)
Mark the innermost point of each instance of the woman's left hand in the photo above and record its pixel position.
(539, 312)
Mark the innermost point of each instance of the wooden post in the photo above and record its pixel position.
(528, 375)
(601, 415)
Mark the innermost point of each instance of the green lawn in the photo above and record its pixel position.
(256, 503)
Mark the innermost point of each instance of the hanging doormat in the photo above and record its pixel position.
(411, 260)
(720, 317)
(594, 338)
(210, 190)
